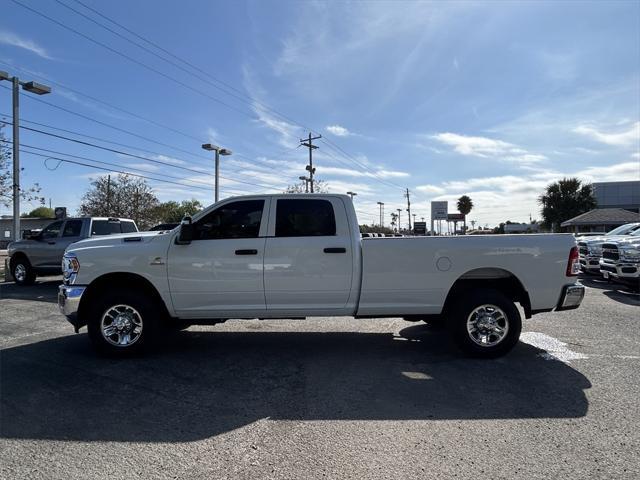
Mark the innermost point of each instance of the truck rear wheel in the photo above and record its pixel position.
(122, 323)
(22, 271)
(485, 323)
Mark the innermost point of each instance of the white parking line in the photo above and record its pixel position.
(554, 349)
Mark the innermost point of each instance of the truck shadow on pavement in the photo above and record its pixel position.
(204, 383)
(617, 292)
(41, 291)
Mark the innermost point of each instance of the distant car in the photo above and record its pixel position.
(40, 253)
(591, 248)
(163, 227)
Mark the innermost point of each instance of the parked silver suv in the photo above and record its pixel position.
(41, 253)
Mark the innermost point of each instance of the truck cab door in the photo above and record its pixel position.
(220, 273)
(308, 266)
(42, 251)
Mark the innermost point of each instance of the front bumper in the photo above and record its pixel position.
(629, 271)
(68, 301)
(590, 264)
(571, 297)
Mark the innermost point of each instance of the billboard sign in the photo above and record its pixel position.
(455, 217)
(439, 210)
(420, 228)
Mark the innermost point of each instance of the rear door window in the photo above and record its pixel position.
(305, 218)
(105, 227)
(128, 227)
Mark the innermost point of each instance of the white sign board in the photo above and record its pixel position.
(439, 210)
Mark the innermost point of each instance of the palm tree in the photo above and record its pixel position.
(464, 207)
(394, 218)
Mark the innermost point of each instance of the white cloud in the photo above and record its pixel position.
(14, 40)
(338, 130)
(627, 137)
(212, 135)
(487, 148)
(509, 197)
(430, 189)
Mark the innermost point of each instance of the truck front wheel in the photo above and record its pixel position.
(22, 271)
(485, 323)
(122, 322)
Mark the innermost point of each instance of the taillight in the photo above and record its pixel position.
(573, 265)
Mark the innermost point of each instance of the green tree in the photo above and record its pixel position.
(394, 220)
(563, 200)
(27, 193)
(174, 212)
(374, 229)
(319, 186)
(122, 196)
(465, 205)
(41, 212)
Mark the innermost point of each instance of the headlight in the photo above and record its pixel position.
(595, 249)
(70, 267)
(630, 253)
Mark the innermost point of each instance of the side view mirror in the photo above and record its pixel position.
(186, 232)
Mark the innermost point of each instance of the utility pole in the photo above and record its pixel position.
(38, 89)
(381, 213)
(399, 224)
(408, 208)
(309, 144)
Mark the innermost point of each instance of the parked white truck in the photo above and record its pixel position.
(292, 256)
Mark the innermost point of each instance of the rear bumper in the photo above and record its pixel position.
(571, 297)
(68, 302)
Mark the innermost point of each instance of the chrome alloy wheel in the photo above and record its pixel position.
(20, 272)
(121, 325)
(487, 325)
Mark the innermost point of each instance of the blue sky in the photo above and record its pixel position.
(493, 100)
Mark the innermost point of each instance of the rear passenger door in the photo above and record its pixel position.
(308, 264)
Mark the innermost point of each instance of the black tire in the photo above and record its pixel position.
(498, 306)
(135, 309)
(22, 271)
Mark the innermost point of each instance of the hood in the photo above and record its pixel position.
(590, 241)
(122, 239)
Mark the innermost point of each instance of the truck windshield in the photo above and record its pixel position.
(623, 229)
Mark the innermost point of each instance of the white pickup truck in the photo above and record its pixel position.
(292, 256)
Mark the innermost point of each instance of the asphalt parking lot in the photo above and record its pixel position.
(322, 398)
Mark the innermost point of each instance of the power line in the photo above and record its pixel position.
(120, 152)
(110, 105)
(336, 147)
(131, 59)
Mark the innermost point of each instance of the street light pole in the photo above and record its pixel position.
(219, 151)
(38, 89)
(381, 213)
(352, 194)
(399, 224)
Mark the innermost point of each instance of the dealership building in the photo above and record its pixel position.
(617, 203)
